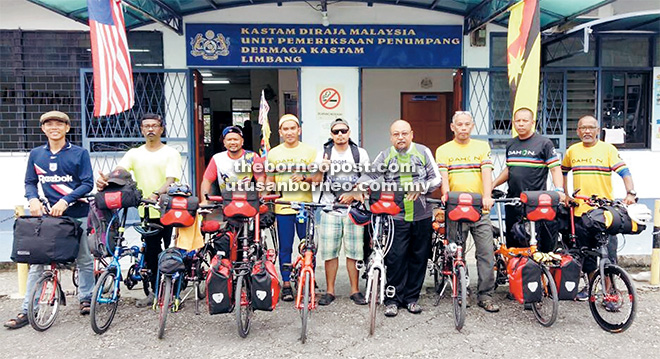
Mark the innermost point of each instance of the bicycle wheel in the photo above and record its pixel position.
(373, 301)
(304, 313)
(546, 310)
(104, 304)
(501, 277)
(74, 276)
(460, 299)
(613, 309)
(244, 310)
(44, 303)
(164, 300)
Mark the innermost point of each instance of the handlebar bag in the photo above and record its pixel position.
(567, 277)
(178, 210)
(240, 203)
(265, 285)
(540, 205)
(170, 261)
(611, 220)
(116, 197)
(463, 206)
(525, 280)
(44, 240)
(381, 202)
(219, 286)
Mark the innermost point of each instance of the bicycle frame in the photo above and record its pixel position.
(307, 257)
(377, 262)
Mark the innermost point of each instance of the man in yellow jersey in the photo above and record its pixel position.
(465, 166)
(592, 162)
(286, 167)
(155, 166)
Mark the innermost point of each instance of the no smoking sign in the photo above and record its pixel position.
(329, 98)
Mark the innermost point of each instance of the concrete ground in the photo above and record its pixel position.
(338, 330)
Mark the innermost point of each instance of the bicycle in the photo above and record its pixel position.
(196, 264)
(448, 267)
(612, 294)
(382, 226)
(302, 269)
(503, 254)
(105, 297)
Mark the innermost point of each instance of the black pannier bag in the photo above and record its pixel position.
(44, 240)
(121, 192)
(567, 277)
(219, 286)
(264, 285)
(240, 203)
(178, 211)
(170, 261)
(540, 205)
(611, 220)
(525, 280)
(463, 206)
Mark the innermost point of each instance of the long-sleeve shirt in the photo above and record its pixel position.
(66, 175)
(416, 169)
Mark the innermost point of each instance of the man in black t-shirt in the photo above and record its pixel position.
(529, 158)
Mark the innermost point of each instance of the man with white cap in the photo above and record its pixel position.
(293, 156)
(64, 173)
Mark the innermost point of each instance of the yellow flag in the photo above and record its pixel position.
(524, 56)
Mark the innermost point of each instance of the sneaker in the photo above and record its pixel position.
(147, 301)
(414, 308)
(582, 295)
(528, 306)
(358, 298)
(391, 310)
(326, 299)
(489, 306)
(610, 307)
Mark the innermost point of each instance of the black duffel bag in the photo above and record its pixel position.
(45, 239)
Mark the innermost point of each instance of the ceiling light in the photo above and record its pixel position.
(206, 74)
(215, 82)
(324, 19)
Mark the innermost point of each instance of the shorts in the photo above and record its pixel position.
(335, 231)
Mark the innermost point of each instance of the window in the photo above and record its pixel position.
(656, 62)
(624, 51)
(569, 52)
(625, 105)
(240, 111)
(498, 50)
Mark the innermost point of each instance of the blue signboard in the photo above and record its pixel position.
(263, 45)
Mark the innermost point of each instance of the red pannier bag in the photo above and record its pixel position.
(525, 280)
(567, 277)
(265, 285)
(463, 206)
(237, 204)
(385, 202)
(219, 286)
(178, 211)
(540, 205)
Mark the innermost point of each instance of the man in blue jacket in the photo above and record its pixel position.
(64, 173)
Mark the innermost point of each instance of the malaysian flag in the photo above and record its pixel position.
(265, 127)
(113, 76)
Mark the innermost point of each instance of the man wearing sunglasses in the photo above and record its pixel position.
(466, 166)
(155, 166)
(336, 228)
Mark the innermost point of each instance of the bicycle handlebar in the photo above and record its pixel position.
(297, 205)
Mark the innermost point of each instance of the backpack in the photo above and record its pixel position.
(327, 152)
(101, 233)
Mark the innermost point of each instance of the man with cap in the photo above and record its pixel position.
(233, 166)
(294, 182)
(336, 228)
(64, 173)
(155, 166)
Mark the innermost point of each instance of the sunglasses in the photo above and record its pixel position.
(343, 131)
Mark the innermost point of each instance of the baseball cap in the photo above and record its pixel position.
(288, 117)
(338, 121)
(231, 129)
(54, 115)
(120, 177)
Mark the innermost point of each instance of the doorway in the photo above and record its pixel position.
(428, 114)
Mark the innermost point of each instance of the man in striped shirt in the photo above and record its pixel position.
(529, 158)
(592, 162)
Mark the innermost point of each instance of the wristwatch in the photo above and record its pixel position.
(633, 193)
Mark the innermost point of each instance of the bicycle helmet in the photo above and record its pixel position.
(359, 215)
(640, 214)
(179, 189)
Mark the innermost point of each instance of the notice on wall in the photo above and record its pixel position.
(655, 111)
(329, 106)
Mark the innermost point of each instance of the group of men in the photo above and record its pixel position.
(463, 164)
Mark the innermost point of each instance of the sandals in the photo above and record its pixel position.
(489, 306)
(20, 321)
(326, 299)
(85, 307)
(287, 294)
